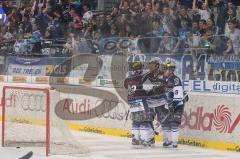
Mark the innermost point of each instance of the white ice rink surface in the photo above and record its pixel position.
(108, 147)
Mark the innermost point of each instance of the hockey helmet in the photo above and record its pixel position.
(168, 64)
(155, 60)
(137, 65)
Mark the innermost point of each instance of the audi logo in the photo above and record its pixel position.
(118, 113)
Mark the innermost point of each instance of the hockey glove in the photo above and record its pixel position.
(171, 108)
(186, 98)
(173, 105)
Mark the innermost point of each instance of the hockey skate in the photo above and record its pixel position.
(136, 143)
(167, 144)
(175, 145)
(148, 144)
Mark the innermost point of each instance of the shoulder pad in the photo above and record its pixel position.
(146, 75)
(177, 81)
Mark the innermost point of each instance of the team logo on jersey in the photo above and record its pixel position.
(160, 76)
(176, 81)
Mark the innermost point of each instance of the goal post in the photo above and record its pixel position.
(28, 120)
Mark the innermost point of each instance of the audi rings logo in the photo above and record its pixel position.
(30, 102)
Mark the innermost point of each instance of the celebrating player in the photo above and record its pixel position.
(173, 113)
(141, 115)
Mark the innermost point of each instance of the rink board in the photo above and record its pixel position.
(209, 120)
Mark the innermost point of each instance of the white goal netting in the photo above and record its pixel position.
(29, 121)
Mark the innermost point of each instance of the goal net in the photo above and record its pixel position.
(28, 120)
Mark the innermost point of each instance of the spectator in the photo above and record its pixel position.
(6, 34)
(36, 39)
(1, 37)
(234, 36)
(157, 8)
(128, 31)
(220, 15)
(89, 32)
(48, 34)
(66, 17)
(192, 42)
(115, 12)
(3, 15)
(104, 26)
(231, 6)
(202, 27)
(182, 34)
(173, 4)
(230, 17)
(210, 25)
(124, 7)
(195, 28)
(87, 14)
(54, 26)
(148, 9)
(168, 44)
(168, 22)
(189, 40)
(186, 3)
(204, 12)
(114, 31)
(156, 31)
(7, 6)
(76, 25)
(27, 26)
(135, 18)
(228, 49)
(212, 43)
(132, 8)
(184, 14)
(36, 34)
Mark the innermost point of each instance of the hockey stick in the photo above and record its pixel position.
(27, 156)
(169, 113)
(126, 119)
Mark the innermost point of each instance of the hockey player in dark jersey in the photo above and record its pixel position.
(154, 80)
(174, 110)
(141, 115)
(157, 88)
(155, 84)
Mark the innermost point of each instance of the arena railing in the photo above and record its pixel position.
(53, 52)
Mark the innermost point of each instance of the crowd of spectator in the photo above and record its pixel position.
(173, 26)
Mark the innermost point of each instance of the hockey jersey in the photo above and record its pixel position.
(134, 85)
(174, 86)
(137, 99)
(156, 86)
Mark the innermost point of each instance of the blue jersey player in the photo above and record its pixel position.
(175, 107)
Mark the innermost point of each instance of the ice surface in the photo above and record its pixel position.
(108, 147)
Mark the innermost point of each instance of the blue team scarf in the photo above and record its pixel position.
(3, 15)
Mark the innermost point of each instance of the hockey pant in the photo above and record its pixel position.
(142, 131)
(170, 125)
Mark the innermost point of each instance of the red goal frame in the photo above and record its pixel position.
(44, 90)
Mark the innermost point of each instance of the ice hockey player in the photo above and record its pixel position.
(156, 87)
(154, 79)
(174, 109)
(141, 115)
